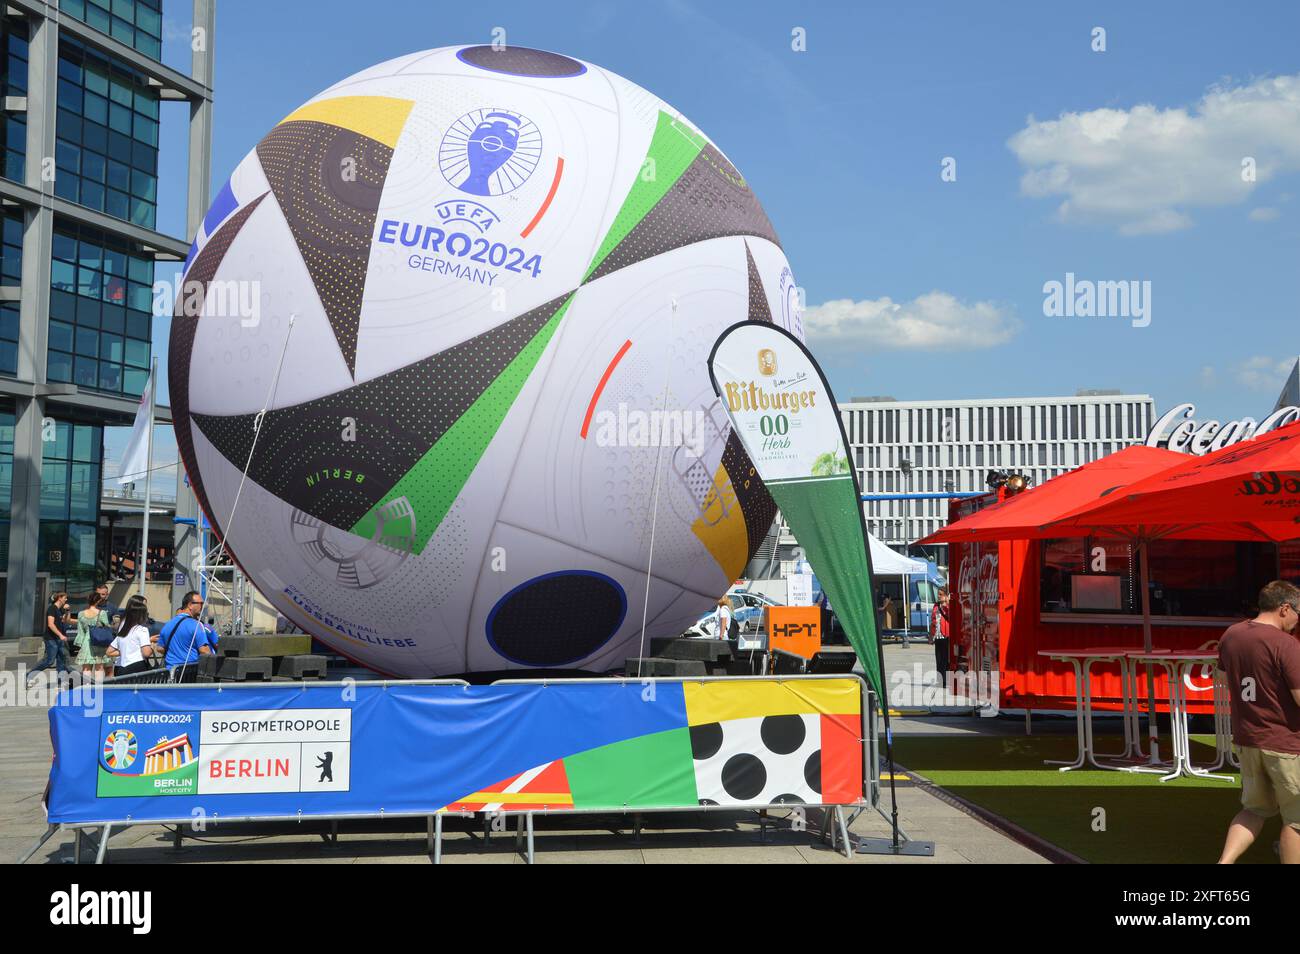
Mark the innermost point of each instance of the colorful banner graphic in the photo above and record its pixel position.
(174, 753)
(784, 413)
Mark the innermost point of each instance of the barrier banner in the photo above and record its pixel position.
(174, 753)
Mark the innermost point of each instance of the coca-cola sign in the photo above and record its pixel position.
(1178, 431)
(977, 580)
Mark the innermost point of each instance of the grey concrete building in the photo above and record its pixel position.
(83, 87)
(933, 447)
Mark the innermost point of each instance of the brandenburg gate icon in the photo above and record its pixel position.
(168, 754)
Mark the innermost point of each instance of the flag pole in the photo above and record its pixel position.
(148, 476)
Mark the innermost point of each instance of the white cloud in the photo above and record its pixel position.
(1142, 169)
(1262, 373)
(1209, 378)
(936, 321)
(1263, 214)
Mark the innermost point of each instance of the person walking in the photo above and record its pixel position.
(1261, 660)
(56, 639)
(184, 639)
(92, 656)
(132, 648)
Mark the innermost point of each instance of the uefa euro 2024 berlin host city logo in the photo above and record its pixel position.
(490, 151)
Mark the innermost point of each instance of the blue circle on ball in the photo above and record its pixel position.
(556, 619)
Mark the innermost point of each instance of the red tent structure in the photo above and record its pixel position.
(1141, 494)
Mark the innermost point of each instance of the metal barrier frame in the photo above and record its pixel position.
(835, 813)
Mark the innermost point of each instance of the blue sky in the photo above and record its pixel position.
(1117, 165)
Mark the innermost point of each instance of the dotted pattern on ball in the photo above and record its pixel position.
(437, 574)
(181, 345)
(755, 502)
(759, 309)
(332, 218)
(520, 61)
(702, 204)
(398, 417)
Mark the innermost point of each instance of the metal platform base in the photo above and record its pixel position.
(886, 846)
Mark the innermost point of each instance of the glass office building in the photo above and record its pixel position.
(79, 161)
(137, 23)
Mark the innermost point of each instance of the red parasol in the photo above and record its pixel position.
(1025, 515)
(1254, 484)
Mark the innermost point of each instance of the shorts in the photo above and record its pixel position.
(1270, 784)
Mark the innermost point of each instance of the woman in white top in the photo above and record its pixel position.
(722, 619)
(132, 648)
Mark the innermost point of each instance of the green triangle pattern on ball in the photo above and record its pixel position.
(673, 148)
(432, 485)
(438, 477)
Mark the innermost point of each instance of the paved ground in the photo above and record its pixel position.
(912, 682)
(698, 837)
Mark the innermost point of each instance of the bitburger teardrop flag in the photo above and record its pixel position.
(783, 411)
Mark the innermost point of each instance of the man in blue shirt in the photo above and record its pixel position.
(184, 639)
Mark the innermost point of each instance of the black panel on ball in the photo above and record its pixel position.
(557, 619)
(520, 61)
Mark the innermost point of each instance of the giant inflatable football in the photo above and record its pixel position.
(504, 270)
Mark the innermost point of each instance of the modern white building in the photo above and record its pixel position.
(935, 447)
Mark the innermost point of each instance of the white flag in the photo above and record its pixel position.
(135, 462)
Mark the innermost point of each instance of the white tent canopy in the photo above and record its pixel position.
(887, 562)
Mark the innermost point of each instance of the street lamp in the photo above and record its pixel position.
(905, 465)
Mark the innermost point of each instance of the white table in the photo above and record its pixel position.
(1223, 722)
(1178, 665)
(1082, 661)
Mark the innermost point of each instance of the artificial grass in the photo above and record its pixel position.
(1147, 821)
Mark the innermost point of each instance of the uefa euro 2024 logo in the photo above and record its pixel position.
(120, 748)
(490, 151)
